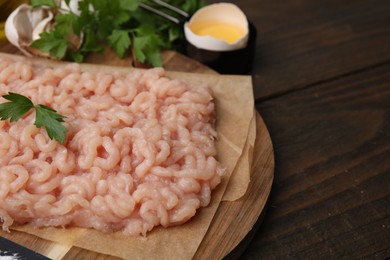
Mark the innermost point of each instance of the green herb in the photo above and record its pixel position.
(50, 3)
(119, 40)
(119, 24)
(20, 105)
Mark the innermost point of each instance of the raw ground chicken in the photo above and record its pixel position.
(139, 152)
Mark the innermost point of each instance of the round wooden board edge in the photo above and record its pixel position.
(234, 222)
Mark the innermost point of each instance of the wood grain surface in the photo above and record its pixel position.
(321, 82)
(332, 181)
(301, 43)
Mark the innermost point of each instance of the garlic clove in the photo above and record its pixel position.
(42, 26)
(18, 16)
(72, 7)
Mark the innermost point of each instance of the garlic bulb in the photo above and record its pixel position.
(24, 25)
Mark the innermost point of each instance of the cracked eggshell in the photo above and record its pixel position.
(225, 13)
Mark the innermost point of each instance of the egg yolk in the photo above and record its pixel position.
(220, 30)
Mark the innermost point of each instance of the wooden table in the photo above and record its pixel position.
(321, 80)
(322, 84)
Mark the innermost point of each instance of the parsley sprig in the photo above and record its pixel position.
(120, 24)
(45, 116)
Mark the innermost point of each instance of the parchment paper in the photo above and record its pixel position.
(235, 126)
(239, 179)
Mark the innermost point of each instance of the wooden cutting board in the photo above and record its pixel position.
(234, 222)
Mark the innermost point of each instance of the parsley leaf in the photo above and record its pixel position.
(91, 43)
(65, 24)
(119, 24)
(20, 105)
(49, 3)
(53, 43)
(47, 117)
(145, 50)
(129, 5)
(120, 41)
(15, 109)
